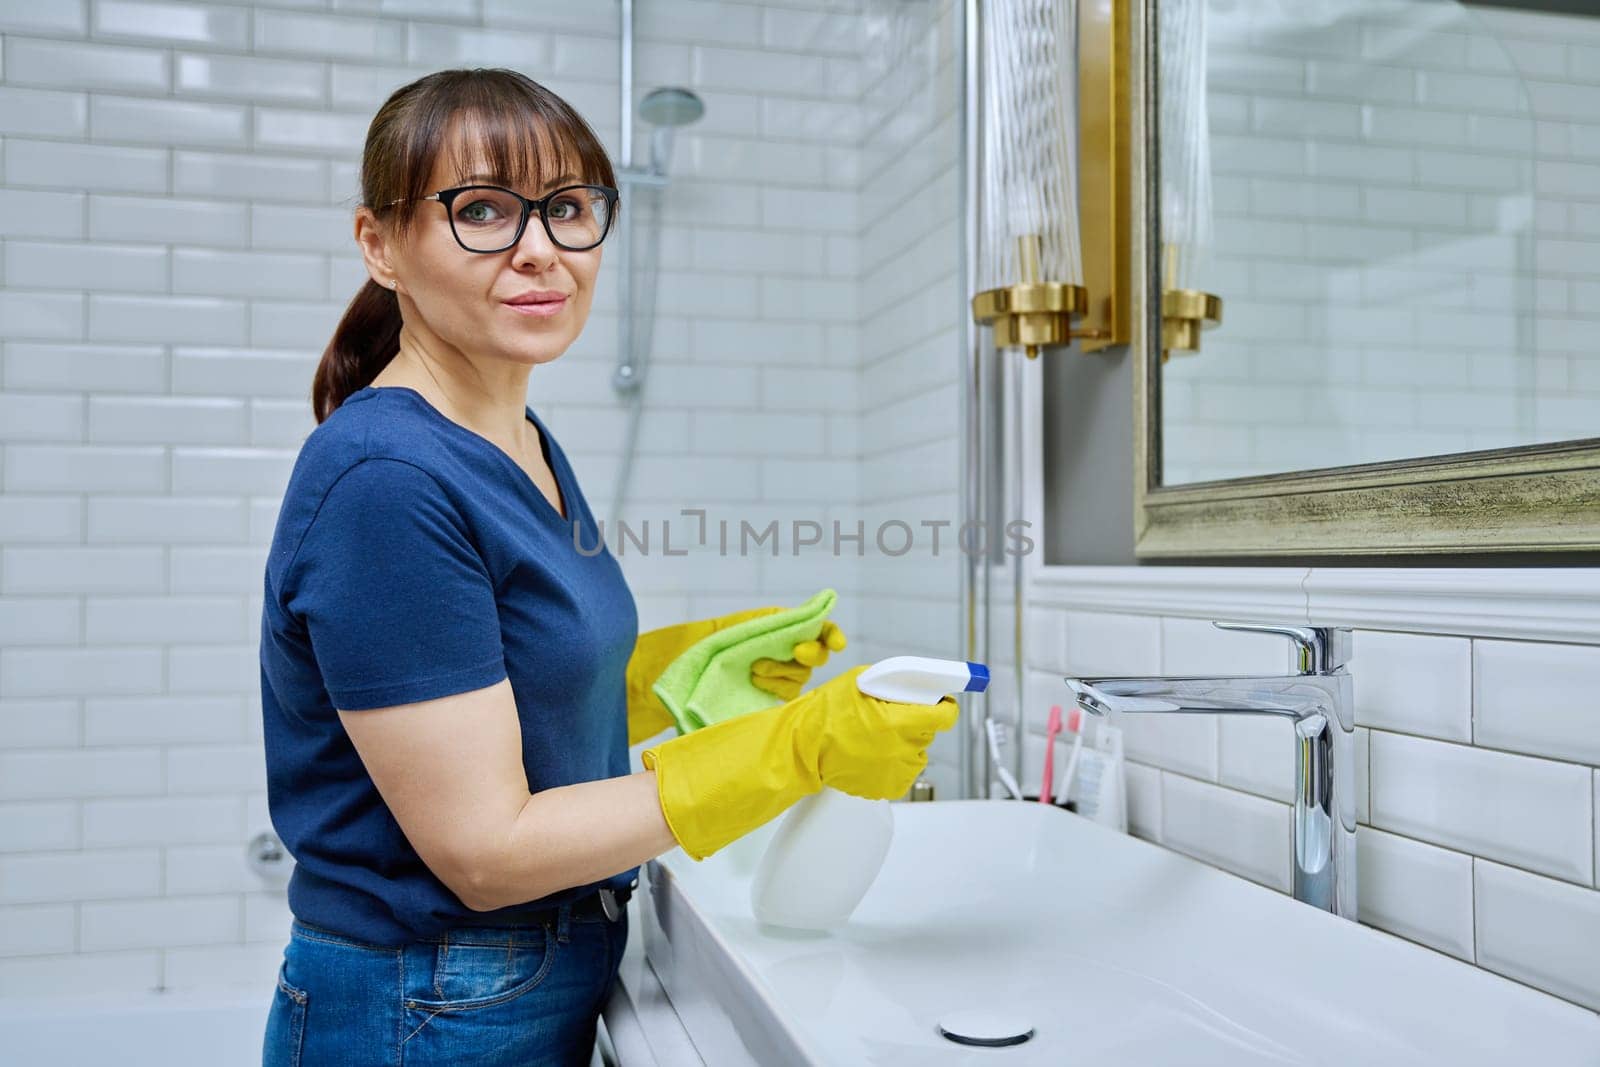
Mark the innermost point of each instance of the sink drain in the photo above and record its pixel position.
(984, 1028)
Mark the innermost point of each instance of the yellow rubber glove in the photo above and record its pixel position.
(655, 649)
(719, 783)
(785, 678)
(652, 652)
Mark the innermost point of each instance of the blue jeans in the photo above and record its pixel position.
(526, 996)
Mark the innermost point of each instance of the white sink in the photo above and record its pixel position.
(1115, 951)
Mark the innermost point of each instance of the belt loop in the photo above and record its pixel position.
(563, 917)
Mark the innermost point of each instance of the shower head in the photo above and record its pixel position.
(666, 109)
(671, 106)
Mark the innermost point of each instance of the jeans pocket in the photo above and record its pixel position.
(470, 973)
(286, 1024)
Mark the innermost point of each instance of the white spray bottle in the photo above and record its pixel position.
(830, 846)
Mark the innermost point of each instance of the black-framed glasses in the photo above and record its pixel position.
(489, 218)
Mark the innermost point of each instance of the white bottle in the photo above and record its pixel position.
(1103, 789)
(830, 846)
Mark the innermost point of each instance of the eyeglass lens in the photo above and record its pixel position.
(486, 220)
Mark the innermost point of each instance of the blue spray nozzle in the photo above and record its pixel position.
(979, 680)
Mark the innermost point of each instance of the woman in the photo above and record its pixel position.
(449, 686)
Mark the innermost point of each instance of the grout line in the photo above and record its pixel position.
(1369, 775)
(1207, 781)
(1470, 963)
(1557, 879)
(1480, 748)
(1473, 874)
(1472, 689)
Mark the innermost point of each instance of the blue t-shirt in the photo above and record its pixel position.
(414, 559)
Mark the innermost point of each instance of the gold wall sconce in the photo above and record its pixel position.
(1183, 138)
(1034, 313)
(1184, 313)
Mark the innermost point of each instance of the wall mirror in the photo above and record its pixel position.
(1373, 295)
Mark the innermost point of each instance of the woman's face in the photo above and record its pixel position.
(477, 302)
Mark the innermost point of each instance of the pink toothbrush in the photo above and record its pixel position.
(1052, 728)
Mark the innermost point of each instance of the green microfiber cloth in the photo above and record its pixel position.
(710, 680)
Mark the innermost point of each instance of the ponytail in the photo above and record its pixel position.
(366, 340)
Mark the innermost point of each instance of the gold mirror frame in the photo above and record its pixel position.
(1516, 501)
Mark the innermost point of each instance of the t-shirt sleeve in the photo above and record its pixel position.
(396, 599)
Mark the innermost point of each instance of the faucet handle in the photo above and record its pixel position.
(1322, 649)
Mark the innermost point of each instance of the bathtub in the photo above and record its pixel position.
(215, 1029)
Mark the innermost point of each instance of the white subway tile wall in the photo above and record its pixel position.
(1416, 891)
(907, 448)
(176, 188)
(1533, 813)
(1538, 699)
(1414, 684)
(1404, 201)
(1538, 930)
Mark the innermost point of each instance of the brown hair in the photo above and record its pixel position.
(524, 131)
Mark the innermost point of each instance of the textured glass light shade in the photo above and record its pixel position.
(1185, 142)
(1030, 143)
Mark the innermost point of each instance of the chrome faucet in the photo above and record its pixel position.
(1318, 701)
